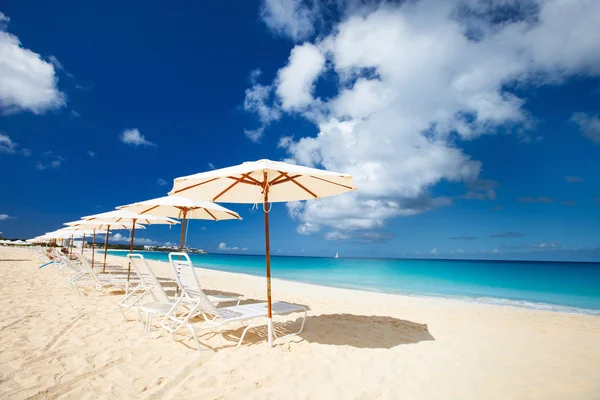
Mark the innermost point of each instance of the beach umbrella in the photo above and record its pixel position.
(133, 218)
(265, 182)
(102, 226)
(86, 230)
(183, 208)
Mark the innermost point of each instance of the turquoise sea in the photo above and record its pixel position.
(559, 286)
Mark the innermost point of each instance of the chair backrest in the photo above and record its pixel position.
(187, 280)
(141, 267)
(86, 267)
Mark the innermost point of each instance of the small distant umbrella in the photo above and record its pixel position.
(103, 226)
(133, 218)
(183, 208)
(265, 182)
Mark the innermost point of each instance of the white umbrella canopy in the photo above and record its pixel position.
(183, 208)
(263, 181)
(245, 183)
(131, 217)
(104, 225)
(125, 216)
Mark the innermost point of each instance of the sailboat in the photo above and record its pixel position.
(337, 255)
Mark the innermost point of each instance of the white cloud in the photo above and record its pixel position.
(295, 81)
(292, 18)
(413, 81)
(211, 165)
(9, 147)
(6, 144)
(27, 82)
(223, 247)
(51, 161)
(434, 251)
(161, 182)
(254, 134)
(75, 114)
(4, 216)
(117, 237)
(134, 137)
(335, 235)
(58, 65)
(589, 125)
(91, 154)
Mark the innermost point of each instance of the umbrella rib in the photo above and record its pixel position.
(247, 176)
(281, 175)
(292, 179)
(237, 180)
(233, 214)
(193, 186)
(150, 209)
(333, 183)
(289, 178)
(209, 213)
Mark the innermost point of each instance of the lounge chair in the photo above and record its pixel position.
(182, 266)
(88, 276)
(215, 318)
(150, 287)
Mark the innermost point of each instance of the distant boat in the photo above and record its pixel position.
(337, 255)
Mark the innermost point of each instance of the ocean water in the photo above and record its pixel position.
(558, 286)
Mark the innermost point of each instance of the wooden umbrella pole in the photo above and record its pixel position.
(131, 249)
(71, 245)
(105, 248)
(181, 239)
(268, 258)
(82, 242)
(93, 246)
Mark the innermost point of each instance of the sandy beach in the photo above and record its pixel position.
(356, 345)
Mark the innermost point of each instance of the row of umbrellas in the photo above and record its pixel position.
(194, 197)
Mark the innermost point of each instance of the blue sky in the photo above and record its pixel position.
(470, 134)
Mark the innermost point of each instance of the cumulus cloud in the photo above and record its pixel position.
(589, 125)
(5, 216)
(223, 247)
(117, 237)
(295, 81)
(413, 80)
(291, 18)
(27, 82)
(134, 137)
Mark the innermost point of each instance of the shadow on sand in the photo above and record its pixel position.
(360, 331)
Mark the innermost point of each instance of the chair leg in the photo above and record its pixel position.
(149, 324)
(195, 338)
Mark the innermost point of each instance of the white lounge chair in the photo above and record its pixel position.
(88, 276)
(196, 302)
(149, 288)
(183, 267)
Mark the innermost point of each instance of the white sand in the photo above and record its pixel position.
(356, 345)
